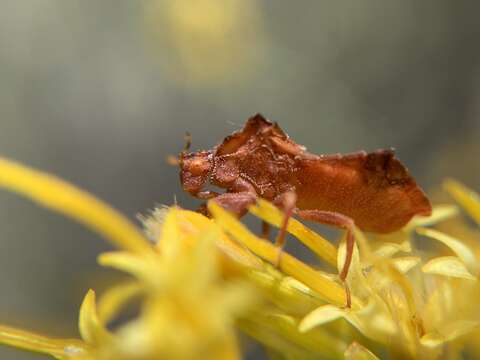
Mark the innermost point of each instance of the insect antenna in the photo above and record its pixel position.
(188, 141)
(176, 161)
(172, 160)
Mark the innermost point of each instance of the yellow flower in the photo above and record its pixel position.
(187, 308)
(416, 306)
(197, 280)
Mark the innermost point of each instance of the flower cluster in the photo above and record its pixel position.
(197, 280)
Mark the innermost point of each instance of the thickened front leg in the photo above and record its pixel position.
(236, 203)
(238, 198)
(206, 195)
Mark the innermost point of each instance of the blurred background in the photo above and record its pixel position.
(100, 92)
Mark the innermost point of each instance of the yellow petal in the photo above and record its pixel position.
(459, 328)
(198, 223)
(189, 225)
(271, 214)
(448, 332)
(170, 243)
(203, 260)
(228, 349)
(467, 198)
(91, 330)
(432, 339)
(374, 321)
(326, 288)
(448, 266)
(328, 313)
(441, 302)
(357, 352)
(280, 332)
(439, 214)
(390, 249)
(285, 291)
(387, 268)
(138, 266)
(26, 340)
(459, 248)
(115, 298)
(363, 244)
(387, 250)
(65, 198)
(404, 264)
(322, 315)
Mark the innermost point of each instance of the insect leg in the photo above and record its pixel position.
(238, 198)
(205, 195)
(202, 209)
(287, 201)
(265, 230)
(236, 203)
(338, 220)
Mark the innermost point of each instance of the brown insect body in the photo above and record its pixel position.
(372, 191)
(375, 189)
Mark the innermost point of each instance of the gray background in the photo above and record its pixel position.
(99, 92)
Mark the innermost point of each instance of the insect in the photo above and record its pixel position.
(373, 191)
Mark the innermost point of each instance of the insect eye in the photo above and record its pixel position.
(198, 166)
